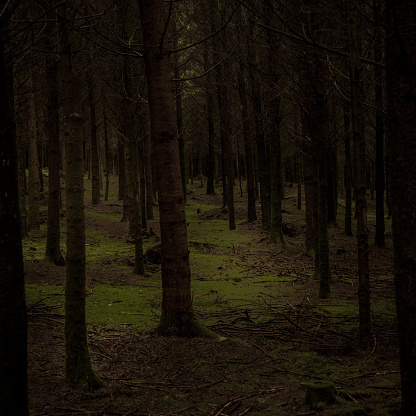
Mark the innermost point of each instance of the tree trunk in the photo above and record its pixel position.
(53, 237)
(323, 243)
(347, 173)
(299, 179)
(135, 215)
(178, 316)
(378, 98)
(360, 179)
(33, 217)
(78, 370)
(95, 164)
(147, 155)
(332, 183)
(13, 321)
(262, 149)
(210, 120)
(248, 147)
(121, 169)
(401, 99)
(107, 156)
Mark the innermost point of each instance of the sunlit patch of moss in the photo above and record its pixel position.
(138, 306)
(227, 291)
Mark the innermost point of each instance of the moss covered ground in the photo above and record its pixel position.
(275, 335)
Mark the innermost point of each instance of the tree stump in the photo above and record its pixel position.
(320, 391)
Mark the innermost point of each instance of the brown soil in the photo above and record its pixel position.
(242, 372)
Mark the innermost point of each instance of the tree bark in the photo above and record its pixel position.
(13, 321)
(378, 98)
(347, 172)
(248, 147)
(33, 217)
(360, 179)
(78, 369)
(210, 120)
(53, 237)
(401, 103)
(178, 316)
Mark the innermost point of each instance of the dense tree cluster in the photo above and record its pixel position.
(265, 93)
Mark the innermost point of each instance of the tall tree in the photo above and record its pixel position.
(53, 237)
(178, 316)
(401, 98)
(357, 120)
(378, 98)
(78, 369)
(33, 216)
(13, 322)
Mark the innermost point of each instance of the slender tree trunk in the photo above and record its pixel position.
(323, 242)
(78, 370)
(401, 103)
(134, 203)
(53, 237)
(347, 173)
(178, 317)
(178, 101)
(210, 120)
(310, 179)
(142, 180)
(273, 105)
(263, 153)
(13, 321)
(224, 103)
(149, 176)
(332, 176)
(95, 164)
(360, 179)
(378, 98)
(299, 179)
(121, 169)
(107, 156)
(33, 217)
(248, 147)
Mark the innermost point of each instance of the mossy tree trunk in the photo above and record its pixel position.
(13, 321)
(401, 111)
(178, 317)
(78, 369)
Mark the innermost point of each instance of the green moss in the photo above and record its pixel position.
(136, 306)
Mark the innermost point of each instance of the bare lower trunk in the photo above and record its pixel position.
(178, 317)
(78, 370)
(360, 182)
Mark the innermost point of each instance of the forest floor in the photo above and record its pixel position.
(276, 335)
